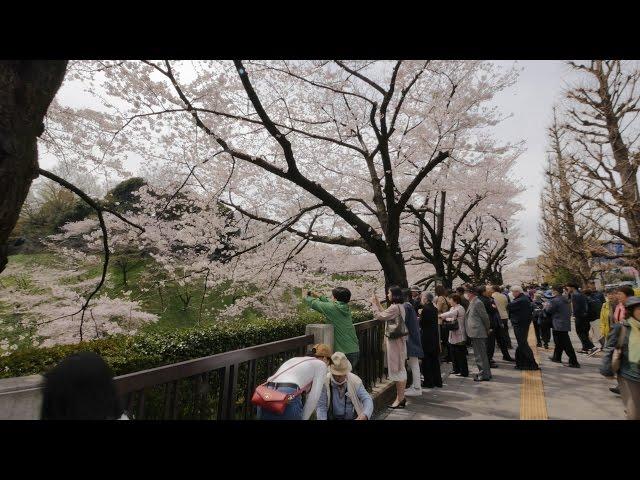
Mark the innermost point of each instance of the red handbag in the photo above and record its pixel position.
(273, 400)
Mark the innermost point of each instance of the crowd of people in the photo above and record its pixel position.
(422, 331)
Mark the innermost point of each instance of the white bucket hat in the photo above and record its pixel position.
(340, 364)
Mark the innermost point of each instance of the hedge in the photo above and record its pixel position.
(126, 354)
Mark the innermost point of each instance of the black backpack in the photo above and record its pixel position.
(593, 308)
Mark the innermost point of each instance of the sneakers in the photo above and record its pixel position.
(593, 351)
(413, 392)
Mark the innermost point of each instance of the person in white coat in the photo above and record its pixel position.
(307, 373)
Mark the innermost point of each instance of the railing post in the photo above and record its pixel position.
(322, 333)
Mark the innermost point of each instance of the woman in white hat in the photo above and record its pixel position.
(343, 395)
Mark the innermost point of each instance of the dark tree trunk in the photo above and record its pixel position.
(393, 267)
(27, 88)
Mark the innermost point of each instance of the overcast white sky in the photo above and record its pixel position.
(539, 86)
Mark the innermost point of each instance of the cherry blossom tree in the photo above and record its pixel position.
(458, 218)
(330, 152)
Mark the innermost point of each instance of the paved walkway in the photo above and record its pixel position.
(556, 392)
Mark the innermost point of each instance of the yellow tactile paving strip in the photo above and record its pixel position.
(532, 402)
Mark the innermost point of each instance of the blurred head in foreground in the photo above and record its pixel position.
(80, 387)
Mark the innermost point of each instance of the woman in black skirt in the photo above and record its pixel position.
(430, 343)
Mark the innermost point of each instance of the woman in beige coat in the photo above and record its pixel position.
(396, 347)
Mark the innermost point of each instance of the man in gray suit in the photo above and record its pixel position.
(477, 326)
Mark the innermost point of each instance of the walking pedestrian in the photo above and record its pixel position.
(623, 343)
(537, 317)
(559, 310)
(395, 342)
(606, 315)
(477, 326)
(580, 309)
(594, 307)
(502, 300)
(545, 320)
(457, 337)
(414, 346)
(520, 313)
(343, 395)
(496, 332)
(430, 343)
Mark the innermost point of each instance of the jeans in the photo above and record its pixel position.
(482, 360)
(292, 412)
(353, 357)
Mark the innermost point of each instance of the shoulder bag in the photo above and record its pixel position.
(400, 330)
(452, 325)
(272, 400)
(616, 358)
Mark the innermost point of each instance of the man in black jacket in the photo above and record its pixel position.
(558, 311)
(496, 334)
(520, 314)
(581, 314)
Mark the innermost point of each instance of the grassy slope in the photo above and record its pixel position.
(170, 309)
(167, 306)
(17, 330)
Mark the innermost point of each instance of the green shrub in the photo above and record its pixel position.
(126, 354)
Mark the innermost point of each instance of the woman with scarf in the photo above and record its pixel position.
(625, 337)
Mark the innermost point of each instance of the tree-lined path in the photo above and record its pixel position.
(563, 394)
